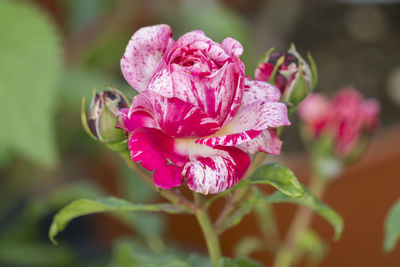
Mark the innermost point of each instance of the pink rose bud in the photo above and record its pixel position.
(288, 71)
(347, 119)
(196, 115)
(104, 115)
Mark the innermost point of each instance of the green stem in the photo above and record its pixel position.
(239, 193)
(170, 195)
(287, 254)
(210, 236)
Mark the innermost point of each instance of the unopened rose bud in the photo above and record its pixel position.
(288, 71)
(103, 116)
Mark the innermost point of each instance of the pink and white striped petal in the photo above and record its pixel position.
(137, 119)
(260, 116)
(232, 47)
(255, 91)
(266, 142)
(229, 139)
(218, 95)
(143, 54)
(155, 151)
(250, 120)
(180, 119)
(212, 175)
(161, 82)
(191, 37)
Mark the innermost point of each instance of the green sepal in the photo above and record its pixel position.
(120, 147)
(314, 70)
(85, 122)
(275, 70)
(299, 89)
(324, 162)
(265, 56)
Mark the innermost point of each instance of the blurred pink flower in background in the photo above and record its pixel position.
(347, 117)
(196, 114)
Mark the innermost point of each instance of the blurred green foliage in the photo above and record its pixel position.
(30, 71)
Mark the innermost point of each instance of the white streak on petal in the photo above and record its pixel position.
(143, 54)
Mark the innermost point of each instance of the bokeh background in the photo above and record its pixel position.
(54, 52)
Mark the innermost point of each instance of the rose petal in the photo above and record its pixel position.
(161, 81)
(263, 71)
(260, 110)
(313, 110)
(230, 139)
(217, 173)
(143, 53)
(212, 51)
(136, 120)
(255, 91)
(218, 95)
(191, 37)
(156, 151)
(260, 116)
(138, 116)
(232, 47)
(179, 119)
(168, 176)
(266, 142)
(370, 109)
(238, 94)
(250, 120)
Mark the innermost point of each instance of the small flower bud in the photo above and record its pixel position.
(104, 115)
(288, 71)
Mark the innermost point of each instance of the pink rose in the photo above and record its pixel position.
(196, 114)
(347, 118)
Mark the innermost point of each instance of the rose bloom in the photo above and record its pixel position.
(347, 117)
(196, 114)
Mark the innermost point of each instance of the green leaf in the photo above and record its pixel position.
(279, 176)
(88, 206)
(128, 253)
(275, 174)
(34, 254)
(30, 70)
(246, 262)
(392, 227)
(310, 201)
(238, 262)
(226, 262)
